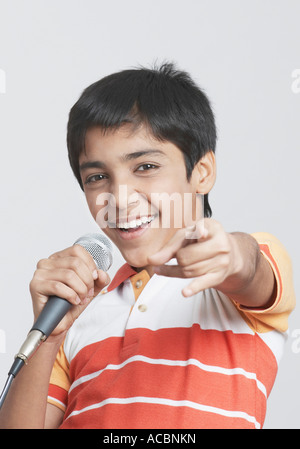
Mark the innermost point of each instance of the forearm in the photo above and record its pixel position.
(253, 283)
(25, 404)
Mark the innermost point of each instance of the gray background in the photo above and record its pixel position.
(241, 52)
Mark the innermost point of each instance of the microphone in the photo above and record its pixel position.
(55, 309)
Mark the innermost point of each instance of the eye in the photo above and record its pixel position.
(146, 167)
(94, 178)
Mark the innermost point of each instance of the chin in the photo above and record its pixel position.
(136, 258)
(137, 262)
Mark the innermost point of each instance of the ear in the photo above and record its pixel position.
(205, 171)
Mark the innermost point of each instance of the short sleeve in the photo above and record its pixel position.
(276, 316)
(59, 381)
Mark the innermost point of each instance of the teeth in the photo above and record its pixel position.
(135, 223)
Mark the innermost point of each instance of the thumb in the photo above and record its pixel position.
(101, 281)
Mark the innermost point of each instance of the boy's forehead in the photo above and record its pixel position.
(126, 132)
(124, 141)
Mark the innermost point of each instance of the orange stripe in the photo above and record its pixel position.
(229, 392)
(265, 249)
(152, 416)
(137, 378)
(210, 347)
(58, 393)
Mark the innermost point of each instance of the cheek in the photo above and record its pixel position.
(93, 207)
(98, 211)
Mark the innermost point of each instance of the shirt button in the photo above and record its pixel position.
(139, 283)
(142, 307)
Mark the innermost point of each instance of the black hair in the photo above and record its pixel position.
(164, 99)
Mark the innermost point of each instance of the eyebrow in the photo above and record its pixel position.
(125, 157)
(91, 164)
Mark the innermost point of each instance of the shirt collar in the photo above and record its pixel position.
(126, 271)
(121, 275)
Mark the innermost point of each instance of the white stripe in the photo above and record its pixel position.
(56, 400)
(194, 362)
(110, 315)
(275, 341)
(172, 403)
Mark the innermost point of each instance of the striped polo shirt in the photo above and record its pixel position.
(143, 356)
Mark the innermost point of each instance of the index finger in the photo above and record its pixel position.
(170, 249)
(180, 239)
(77, 251)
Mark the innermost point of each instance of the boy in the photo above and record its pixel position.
(191, 328)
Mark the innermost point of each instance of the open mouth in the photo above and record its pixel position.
(134, 225)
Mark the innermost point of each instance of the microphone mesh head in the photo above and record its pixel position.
(99, 247)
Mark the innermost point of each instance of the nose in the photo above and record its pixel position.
(124, 200)
(129, 201)
(115, 204)
(124, 196)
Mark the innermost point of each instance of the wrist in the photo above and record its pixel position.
(54, 342)
(252, 283)
(242, 268)
(246, 256)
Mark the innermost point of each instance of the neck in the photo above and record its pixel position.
(148, 268)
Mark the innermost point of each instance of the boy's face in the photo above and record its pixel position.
(137, 190)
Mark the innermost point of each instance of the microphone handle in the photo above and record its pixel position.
(52, 313)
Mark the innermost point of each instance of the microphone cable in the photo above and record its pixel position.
(15, 368)
(6, 389)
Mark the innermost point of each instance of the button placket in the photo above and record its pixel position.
(139, 283)
(142, 307)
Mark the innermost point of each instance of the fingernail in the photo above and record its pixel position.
(205, 233)
(90, 293)
(104, 277)
(187, 292)
(77, 300)
(95, 274)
